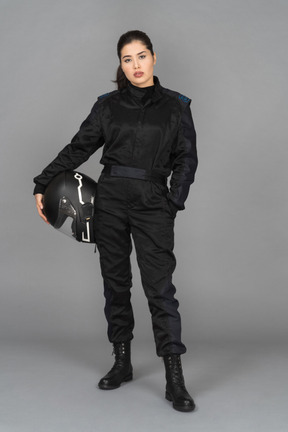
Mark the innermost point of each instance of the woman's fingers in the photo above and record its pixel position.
(39, 205)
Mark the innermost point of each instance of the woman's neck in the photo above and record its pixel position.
(142, 88)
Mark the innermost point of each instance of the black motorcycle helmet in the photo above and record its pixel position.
(69, 205)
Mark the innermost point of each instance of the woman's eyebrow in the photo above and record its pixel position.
(136, 54)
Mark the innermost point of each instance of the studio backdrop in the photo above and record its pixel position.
(230, 57)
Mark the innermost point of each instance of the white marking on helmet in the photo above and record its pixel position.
(78, 177)
(87, 239)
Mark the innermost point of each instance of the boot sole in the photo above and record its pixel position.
(182, 408)
(126, 379)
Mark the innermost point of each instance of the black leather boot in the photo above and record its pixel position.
(175, 388)
(121, 371)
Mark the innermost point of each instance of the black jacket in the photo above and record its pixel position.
(155, 133)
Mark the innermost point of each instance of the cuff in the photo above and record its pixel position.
(39, 189)
(174, 209)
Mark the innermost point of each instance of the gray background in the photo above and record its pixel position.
(230, 57)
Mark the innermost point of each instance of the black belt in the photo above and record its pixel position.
(135, 173)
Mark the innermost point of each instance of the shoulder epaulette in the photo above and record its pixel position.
(183, 100)
(105, 95)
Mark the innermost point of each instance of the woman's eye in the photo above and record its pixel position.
(142, 56)
(127, 60)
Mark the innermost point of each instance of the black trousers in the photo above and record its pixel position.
(129, 208)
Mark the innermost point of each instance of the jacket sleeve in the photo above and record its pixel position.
(87, 140)
(184, 160)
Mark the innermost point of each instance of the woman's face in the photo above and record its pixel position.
(137, 64)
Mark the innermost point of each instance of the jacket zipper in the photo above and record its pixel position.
(138, 129)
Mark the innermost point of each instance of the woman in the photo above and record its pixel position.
(147, 132)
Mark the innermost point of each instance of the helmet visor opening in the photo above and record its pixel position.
(68, 227)
(65, 210)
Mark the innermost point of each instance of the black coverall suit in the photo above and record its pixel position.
(147, 134)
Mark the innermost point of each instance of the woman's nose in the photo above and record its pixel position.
(136, 64)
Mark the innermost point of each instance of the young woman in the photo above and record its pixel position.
(147, 133)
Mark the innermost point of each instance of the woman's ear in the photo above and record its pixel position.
(155, 58)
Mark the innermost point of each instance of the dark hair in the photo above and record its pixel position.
(126, 38)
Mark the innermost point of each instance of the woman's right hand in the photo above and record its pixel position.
(39, 205)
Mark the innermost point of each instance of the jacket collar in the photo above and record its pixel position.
(158, 89)
(138, 92)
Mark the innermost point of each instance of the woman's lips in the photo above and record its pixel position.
(138, 74)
